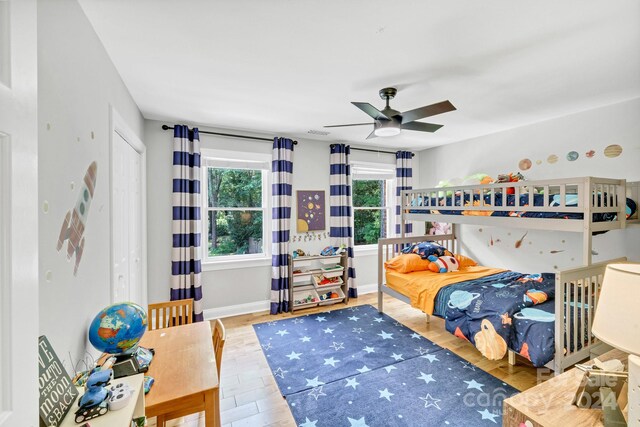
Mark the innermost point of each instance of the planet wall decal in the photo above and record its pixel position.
(590, 154)
(552, 159)
(525, 164)
(613, 150)
(572, 156)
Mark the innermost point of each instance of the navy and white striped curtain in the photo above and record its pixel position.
(282, 173)
(341, 208)
(404, 181)
(186, 264)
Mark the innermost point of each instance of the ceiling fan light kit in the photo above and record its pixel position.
(389, 122)
(387, 128)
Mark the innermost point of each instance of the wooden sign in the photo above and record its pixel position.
(57, 393)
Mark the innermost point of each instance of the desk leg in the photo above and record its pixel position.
(212, 408)
(160, 421)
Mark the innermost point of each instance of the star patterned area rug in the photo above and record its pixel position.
(357, 367)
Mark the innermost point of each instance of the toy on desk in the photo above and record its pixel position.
(94, 402)
(148, 382)
(120, 396)
(333, 250)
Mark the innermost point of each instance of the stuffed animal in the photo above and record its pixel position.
(443, 264)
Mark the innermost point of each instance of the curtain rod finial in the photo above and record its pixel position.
(165, 127)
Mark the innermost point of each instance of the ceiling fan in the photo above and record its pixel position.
(389, 122)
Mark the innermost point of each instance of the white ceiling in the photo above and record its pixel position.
(285, 67)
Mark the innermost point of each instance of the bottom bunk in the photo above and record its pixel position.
(500, 310)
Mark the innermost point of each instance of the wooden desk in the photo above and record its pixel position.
(184, 369)
(549, 403)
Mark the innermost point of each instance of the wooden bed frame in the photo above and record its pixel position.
(584, 281)
(572, 286)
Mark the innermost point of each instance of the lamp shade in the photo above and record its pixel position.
(617, 317)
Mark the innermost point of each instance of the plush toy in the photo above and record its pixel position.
(443, 264)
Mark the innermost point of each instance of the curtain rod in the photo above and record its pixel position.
(165, 127)
(374, 151)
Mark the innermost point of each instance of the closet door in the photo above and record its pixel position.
(127, 274)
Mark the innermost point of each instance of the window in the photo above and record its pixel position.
(235, 200)
(373, 199)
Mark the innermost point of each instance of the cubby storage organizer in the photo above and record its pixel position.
(307, 272)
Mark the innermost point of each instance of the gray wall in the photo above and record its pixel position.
(502, 152)
(76, 85)
(240, 285)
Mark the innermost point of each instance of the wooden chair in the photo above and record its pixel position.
(218, 336)
(170, 313)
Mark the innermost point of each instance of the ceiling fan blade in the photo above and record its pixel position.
(422, 127)
(352, 124)
(372, 134)
(427, 111)
(371, 110)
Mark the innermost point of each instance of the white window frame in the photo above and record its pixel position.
(236, 160)
(368, 171)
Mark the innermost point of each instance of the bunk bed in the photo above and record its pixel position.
(585, 205)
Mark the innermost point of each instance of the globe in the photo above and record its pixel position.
(117, 329)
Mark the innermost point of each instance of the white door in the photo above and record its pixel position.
(128, 271)
(18, 214)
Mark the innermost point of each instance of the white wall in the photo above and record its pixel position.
(77, 84)
(240, 285)
(502, 152)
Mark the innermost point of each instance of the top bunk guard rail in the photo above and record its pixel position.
(585, 195)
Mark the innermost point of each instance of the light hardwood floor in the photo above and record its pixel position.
(249, 395)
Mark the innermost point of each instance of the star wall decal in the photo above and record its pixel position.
(385, 394)
(430, 401)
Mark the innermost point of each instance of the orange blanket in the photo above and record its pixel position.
(422, 286)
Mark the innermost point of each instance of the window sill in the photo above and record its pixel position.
(365, 250)
(235, 264)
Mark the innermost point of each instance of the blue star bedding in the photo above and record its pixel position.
(501, 311)
(571, 200)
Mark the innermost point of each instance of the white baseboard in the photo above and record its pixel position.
(236, 310)
(258, 306)
(367, 289)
